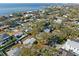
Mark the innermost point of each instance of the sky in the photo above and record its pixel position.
(39, 1)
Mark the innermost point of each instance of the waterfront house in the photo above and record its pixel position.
(11, 15)
(72, 46)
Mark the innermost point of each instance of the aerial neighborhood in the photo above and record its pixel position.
(51, 31)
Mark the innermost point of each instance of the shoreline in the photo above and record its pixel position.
(27, 8)
(30, 10)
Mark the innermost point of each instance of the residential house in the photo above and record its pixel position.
(17, 34)
(59, 21)
(29, 41)
(28, 15)
(4, 27)
(72, 46)
(4, 38)
(14, 52)
(77, 22)
(47, 30)
(11, 15)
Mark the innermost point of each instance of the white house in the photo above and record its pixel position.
(27, 15)
(29, 41)
(59, 21)
(14, 52)
(47, 30)
(71, 46)
(11, 15)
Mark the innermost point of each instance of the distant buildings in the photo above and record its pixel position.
(71, 46)
(4, 27)
(28, 15)
(11, 15)
(21, 25)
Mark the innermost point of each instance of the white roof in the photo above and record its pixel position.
(13, 52)
(58, 21)
(47, 30)
(29, 41)
(74, 44)
(26, 30)
(11, 15)
(20, 33)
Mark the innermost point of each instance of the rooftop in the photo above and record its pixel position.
(73, 43)
(14, 52)
(29, 41)
(4, 36)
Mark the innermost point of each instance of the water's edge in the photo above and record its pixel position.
(8, 8)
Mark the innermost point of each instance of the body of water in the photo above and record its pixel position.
(8, 8)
